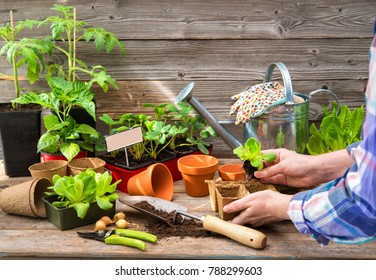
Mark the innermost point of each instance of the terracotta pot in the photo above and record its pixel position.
(195, 169)
(232, 172)
(155, 181)
(79, 165)
(48, 169)
(25, 199)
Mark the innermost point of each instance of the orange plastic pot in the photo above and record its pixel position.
(232, 172)
(155, 181)
(195, 169)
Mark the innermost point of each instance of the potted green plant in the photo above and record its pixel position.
(252, 157)
(336, 130)
(20, 125)
(194, 130)
(169, 129)
(79, 200)
(65, 134)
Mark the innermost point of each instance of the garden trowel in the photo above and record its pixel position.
(159, 204)
(241, 234)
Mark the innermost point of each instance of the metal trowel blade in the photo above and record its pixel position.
(159, 204)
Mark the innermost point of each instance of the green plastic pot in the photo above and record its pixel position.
(66, 218)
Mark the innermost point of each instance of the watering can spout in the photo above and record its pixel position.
(186, 95)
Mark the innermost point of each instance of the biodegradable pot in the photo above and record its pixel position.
(78, 165)
(48, 169)
(66, 218)
(195, 169)
(227, 194)
(232, 172)
(223, 192)
(25, 199)
(156, 180)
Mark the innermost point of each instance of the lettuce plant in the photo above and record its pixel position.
(82, 189)
(336, 131)
(252, 156)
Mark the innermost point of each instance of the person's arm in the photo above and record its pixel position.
(344, 210)
(297, 170)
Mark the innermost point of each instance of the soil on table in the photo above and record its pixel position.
(187, 228)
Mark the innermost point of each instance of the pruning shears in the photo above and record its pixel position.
(125, 237)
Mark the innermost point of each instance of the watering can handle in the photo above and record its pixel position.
(285, 76)
(326, 91)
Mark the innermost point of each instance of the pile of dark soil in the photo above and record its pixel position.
(187, 228)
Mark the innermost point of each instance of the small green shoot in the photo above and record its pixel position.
(251, 151)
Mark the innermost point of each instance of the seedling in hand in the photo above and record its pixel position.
(253, 159)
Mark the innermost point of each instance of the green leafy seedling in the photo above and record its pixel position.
(82, 189)
(251, 151)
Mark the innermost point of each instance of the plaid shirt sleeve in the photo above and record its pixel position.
(344, 210)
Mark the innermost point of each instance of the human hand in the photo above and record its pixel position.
(299, 170)
(258, 98)
(260, 208)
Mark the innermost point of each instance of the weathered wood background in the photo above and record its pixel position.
(223, 46)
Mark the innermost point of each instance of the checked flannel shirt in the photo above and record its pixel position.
(344, 210)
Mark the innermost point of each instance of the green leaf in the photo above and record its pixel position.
(69, 150)
(99, 41)
(253, 148)
(47, 141)
(81, 209)
(269, 157)
(87, 129)
(257, 162)
(52, 122)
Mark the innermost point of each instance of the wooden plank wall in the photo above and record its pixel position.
(223, 46)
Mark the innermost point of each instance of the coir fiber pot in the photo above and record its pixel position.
(25, 199)
(78, 165)
(195, 169)
(156, 180)
(48, 169)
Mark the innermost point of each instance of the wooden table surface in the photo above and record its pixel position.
(33, 238)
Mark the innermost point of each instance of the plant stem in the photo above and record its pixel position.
(74, 45)
(14, 62)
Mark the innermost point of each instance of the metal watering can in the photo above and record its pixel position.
(281, 126)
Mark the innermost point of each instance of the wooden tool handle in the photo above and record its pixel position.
(241, 234)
